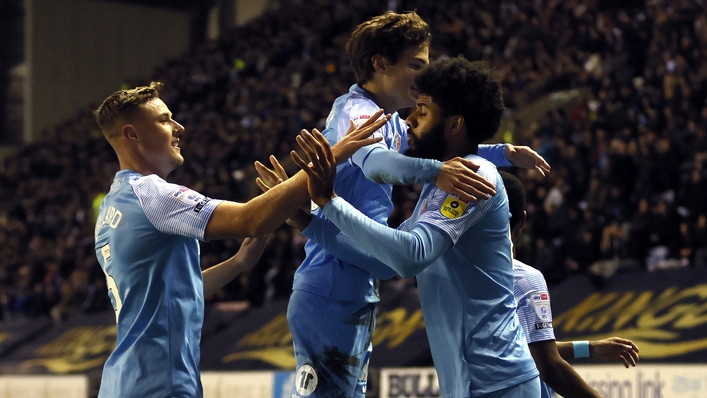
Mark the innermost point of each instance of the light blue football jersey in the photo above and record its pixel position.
(321, 272)
(534, 310)
(146, 243)
(466, 294)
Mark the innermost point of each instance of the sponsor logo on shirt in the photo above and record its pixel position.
(543, 325)
(453, 207)
(201, 204)
(358, 120)
(188, 196)
(541, 303)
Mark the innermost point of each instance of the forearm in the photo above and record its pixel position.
(216, 277)
(564, 380)
(260, 215)
(389, 167)
(496, 154)
(407, 253)
(566, 350)
(328, 236)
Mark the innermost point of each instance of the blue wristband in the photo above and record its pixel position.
(581, 349)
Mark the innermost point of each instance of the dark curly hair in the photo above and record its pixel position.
(469, 89)
(389, 35)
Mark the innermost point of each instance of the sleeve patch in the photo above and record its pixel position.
(541, 303)
(188, 197)
(543, 325)
(453, 207)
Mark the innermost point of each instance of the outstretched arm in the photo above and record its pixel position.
(266, 212)
(405, 252)
(321, 231)
(557, 373)
(456, 176)
(219, 275)
(611, 349)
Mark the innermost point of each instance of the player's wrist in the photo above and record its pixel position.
(581, 349)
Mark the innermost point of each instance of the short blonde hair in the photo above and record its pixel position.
(122, 103)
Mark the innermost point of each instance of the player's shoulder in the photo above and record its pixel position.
(525, 268)
(486, 169)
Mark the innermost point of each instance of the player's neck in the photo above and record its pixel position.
(386, 102)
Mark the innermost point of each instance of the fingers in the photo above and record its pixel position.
(267, 176)
(279, 170)
(325, 146)
(469, 163)
(370, 127)
(374, 118)
(316, 153)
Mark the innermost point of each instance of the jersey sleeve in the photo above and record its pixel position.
(453, 216)
(406, 252)
(328, 236)
(390, 167)
(534, 312)
(174, 209)
(496, 154)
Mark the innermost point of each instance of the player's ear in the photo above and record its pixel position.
(379, 63)
(455, 123)
(129, 132)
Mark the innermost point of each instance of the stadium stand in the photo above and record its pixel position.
(627, 191)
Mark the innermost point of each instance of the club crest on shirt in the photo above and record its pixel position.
(187, 196)
(541, 303)
(453, 207)
(396, 142)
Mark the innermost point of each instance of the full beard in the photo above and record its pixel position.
(430, 146)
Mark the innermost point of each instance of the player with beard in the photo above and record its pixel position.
(460, 251)
(331, 312)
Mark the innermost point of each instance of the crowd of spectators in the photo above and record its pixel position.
(627, 190)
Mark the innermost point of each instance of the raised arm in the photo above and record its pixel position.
(263, 214)
(457, 176)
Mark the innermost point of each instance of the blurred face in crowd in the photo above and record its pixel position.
(158, 136)
(426, 130)
(399, 78)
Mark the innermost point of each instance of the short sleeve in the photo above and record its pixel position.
(173, 209)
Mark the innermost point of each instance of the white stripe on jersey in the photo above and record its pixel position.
(173, 209)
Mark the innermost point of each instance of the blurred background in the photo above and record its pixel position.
(612, 93)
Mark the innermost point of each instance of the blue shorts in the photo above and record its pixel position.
(332, 341)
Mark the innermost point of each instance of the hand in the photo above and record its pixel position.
(269, 178)
(613, 349)
(526, 158)
(356, 138)
(321, 170)
(250, 252)
(458, 177)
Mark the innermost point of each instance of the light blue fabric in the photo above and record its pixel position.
(466, 283)
(534, 310)
(146, 244)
